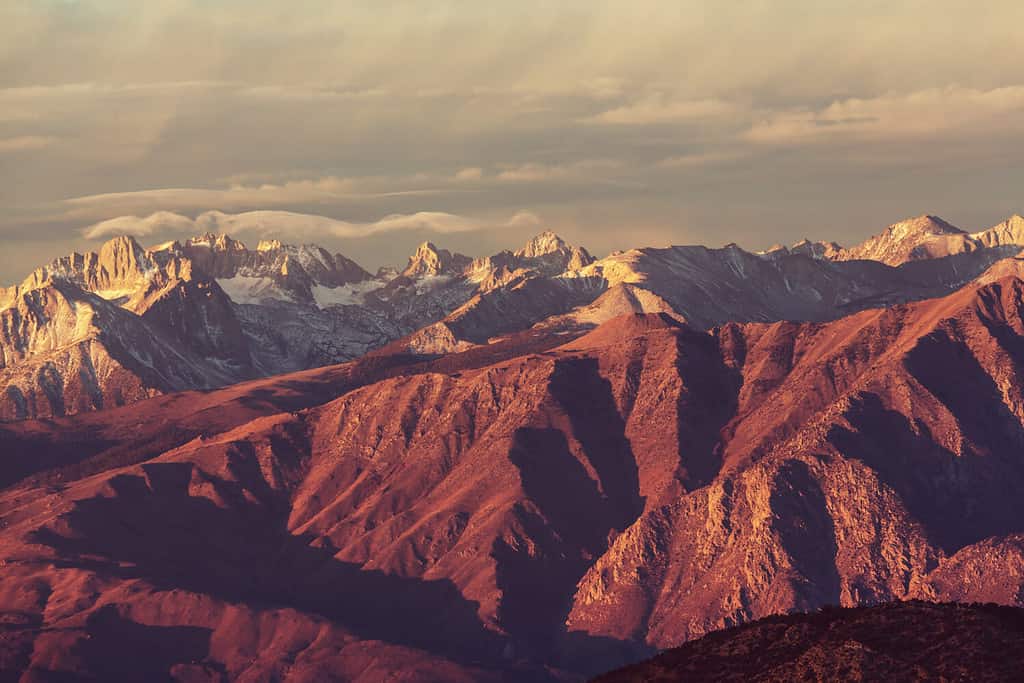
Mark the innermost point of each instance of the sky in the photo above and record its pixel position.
(476, 124)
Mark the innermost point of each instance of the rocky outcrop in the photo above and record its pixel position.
(64, 350)
(429, 261)
(930, 237)
(894, 642)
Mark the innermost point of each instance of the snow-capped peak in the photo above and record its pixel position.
(921, 237)
(921, 226)
(546, 242)
(216, 242)
(551, 254)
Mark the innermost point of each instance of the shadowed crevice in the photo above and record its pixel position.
(707, 401)
(807, 533)
(588, 400)
(959, 500)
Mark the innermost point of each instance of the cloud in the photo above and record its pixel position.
(25, 142)
(700, 159)
(538, 172)
(287, 224)
(922, 114)
(659, 109)
(328, 189)
(469, 174)
(159, 222)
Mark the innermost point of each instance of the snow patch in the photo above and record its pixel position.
(427, 283)
(351, 294)
(243, 289)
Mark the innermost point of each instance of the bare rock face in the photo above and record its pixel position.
(914, 238)
(431, 261)
(930, 237)
(550, 254)
(105, 329)
(66, 351)
(1009, 232)
(541, 507)
(818, 250)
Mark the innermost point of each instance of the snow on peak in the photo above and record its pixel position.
(921, 237)
(551, 254)
(546, 242)
(921, 226)
(216, 242)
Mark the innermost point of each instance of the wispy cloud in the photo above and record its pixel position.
(661, 109)
(287, 224)
(898, 117)
(319, 190)
(26, 142)
(698, 159)
(538, 172)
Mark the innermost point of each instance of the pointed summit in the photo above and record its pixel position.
(912, 239)
(123, 259)
(922, 225)
(428, 260)
(541, 244)
(549, 253)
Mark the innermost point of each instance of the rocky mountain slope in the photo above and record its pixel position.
(549, 506)
(913, 641)
(209, 311)
(100, 329)
(927, 237)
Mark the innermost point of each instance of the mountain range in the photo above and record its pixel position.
(91, 331)
(549, 467)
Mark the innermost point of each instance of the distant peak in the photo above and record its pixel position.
(816, 250)
(269, 245)
(429, 260)
(550, 248)
(122, 245)
(924, 225)
(216, 242)
(546, 242)
(122, 240)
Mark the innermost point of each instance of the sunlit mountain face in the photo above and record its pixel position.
(510, 341)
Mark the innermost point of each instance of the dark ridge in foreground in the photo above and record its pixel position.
(900, 641)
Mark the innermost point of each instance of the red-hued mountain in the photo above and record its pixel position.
(546, 506)
(912, 641)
